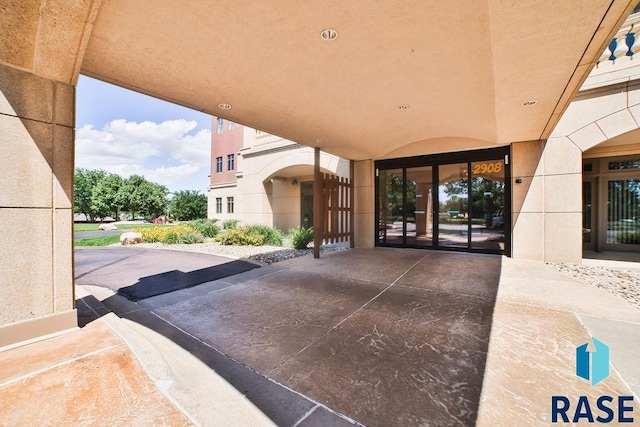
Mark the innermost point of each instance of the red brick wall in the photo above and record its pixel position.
(229, 141)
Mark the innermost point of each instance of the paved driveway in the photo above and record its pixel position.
(139, 273)
(385, 336)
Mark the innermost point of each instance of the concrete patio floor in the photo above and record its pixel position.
(375, 336)
(387, 337)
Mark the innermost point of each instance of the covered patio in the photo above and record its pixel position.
(380, 336)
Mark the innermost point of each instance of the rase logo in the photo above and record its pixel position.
(594, 367)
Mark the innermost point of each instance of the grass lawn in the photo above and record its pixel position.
(94, 226)
(99, 241)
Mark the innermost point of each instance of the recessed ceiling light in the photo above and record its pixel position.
(403, 107)
(224, 106)
(529, 103)
(328, 34)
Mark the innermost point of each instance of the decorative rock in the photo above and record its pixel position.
(262, 254)
(625, 284)
(107, 227)
(130, 238)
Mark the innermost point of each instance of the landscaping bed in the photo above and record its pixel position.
(265, 254)
(623, 283)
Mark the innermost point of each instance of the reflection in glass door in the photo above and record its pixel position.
(306, 200)
(587, 214)
(419, 196)
(487, 205)
(457, 201)
(623, 216)
(453, 209)
(391, 207)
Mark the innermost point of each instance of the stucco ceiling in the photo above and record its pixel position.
(463, 68)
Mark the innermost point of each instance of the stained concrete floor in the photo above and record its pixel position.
(384, 336)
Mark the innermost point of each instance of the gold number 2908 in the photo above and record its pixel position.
(487, 168)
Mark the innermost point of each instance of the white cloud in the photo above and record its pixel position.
(165, 152)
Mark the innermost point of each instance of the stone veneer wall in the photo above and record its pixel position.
(365, 202)
(547, 204)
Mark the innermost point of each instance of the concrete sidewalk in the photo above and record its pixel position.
(113, 371)
(540, 317)
(136, 369)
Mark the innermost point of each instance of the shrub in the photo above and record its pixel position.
(240, 236)
(272, 235)
(628, 237)
(171, 238)
(301, 237)
(190, 238)
(229, 224)
(206, 227)
(168, 235)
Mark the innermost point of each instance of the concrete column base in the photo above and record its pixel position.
(22, 333)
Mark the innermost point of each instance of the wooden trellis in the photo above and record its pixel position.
(333, 214)
(337, 225)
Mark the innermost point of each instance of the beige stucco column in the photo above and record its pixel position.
(547, 192)
(364, 216)
(36, 215)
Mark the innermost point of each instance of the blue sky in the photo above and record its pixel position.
(128, 133)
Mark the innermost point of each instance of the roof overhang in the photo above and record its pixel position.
(462, 69)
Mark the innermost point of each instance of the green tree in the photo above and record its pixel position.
(188, 205)
(154, 202)
(84, 181)
(107, 197)
(144, 197)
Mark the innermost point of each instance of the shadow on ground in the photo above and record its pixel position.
(171, 281)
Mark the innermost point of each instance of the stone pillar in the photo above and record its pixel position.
(546, 200)
(364, 206)
(562, 201)
(36, 206)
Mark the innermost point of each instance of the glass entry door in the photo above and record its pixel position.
(588, 217)
(391, 207)
(306, 204)
(488, 201)
(419, 186)
(453, 207)
(623, 213)
(460, 205)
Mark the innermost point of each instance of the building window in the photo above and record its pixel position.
(231, 125)
(218, 204)
(229, 204)
(220, 124)
(231, 161)
(633, 163)
(218, 164)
